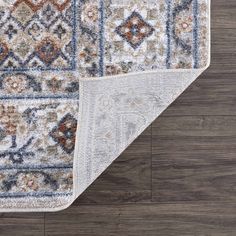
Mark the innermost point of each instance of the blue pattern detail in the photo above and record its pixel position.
(168, 33)
(171, 32)
(17, 155)
(35, 194)
(195, 33)
(101, 39)
(179, 42)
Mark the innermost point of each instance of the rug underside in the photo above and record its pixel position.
(80, 80)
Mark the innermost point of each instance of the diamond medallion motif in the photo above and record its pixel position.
(135, 30)
(47, 51)
(65, 132)
(23, 13)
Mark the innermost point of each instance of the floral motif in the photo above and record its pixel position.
(29, 181)
(89, 14)
(54, 84)
(184, 24)
(113, 69)
(16, 84)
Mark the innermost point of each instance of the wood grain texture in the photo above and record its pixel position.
(22, 224)
(179, 177)
(194, 158)
(181, 219)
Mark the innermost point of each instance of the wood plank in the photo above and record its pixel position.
(223, 62)
(221, 44)
(210, 95)
(183, 219)
(194, 159)
(195, 126)
(22, 224)
(223, 14)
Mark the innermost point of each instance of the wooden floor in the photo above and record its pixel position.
(179, 177)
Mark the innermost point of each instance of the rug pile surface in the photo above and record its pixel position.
(80, 80)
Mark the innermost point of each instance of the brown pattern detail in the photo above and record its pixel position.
(65, 133)
(47, 51)
(9, 119)
(3, 51)
(36, 7)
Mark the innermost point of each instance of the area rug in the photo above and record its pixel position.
(80, 80)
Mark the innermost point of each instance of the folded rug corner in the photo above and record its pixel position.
(80, 80)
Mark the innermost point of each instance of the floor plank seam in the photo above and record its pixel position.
(151, 161)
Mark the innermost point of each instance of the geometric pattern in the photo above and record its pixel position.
(32, 158)
(46, 46)
(136, 36)
(38, 35)
(134, 30)
(65, 132)
(136, 39)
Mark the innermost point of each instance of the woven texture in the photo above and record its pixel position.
(80, 80)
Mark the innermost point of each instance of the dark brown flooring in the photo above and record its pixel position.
(178, 178)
